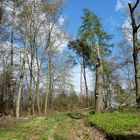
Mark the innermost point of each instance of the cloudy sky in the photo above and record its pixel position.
(110, 13)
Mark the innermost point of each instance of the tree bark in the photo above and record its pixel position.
(50, 78)
(48, 99)
(99, 91)
(12, 69)
(38, 81)
(81, 82)
(1, 10)
(136, 49)
(21, 77)
(31, 107)
(85, 79)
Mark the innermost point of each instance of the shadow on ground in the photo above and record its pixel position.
(123, 137)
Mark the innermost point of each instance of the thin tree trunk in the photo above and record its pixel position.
(81, 82)
(12, 69)
(21, 77)
(18, 99)
(46, 98)
(85, 79)
(37, 93)
(38, 81)
(1, 10)
(12, 60)
(50, 78)
(31, 79)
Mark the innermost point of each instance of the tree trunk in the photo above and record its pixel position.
(50, 78)
(81, 82)
(99, 92)
(1, 10)
(11, 70)
(38, 81)
(46, 98)
(21, 77)
(85, 79)
(37, 93)
(137, 73)
(31, 108)
(18, 99)
(12, 63)
(136, 49)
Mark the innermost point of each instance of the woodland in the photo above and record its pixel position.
(38, 98)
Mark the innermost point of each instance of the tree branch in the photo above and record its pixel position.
(136, 4)
(130, 7)
(134, 25)
(138, 26)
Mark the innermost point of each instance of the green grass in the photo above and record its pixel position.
(37, 127)
(51, 122)
(117, 123)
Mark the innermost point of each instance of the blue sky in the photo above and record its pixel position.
(109, 11)
(105, 9)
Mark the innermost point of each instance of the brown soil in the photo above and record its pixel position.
(87, 133)
(7, 121)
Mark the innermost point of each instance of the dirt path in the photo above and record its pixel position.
(57, 127)
(50, 137)
(70, 129)
(87, 133)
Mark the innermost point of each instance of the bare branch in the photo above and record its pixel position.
(136, 4)
(138, 26)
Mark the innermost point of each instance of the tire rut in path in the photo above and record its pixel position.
(78, 131)
(87, 133)
(50, 137)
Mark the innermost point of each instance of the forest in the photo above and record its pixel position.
(66, 80)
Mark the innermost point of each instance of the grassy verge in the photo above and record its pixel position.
(117, 125)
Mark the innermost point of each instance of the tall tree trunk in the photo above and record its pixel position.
(48, 99)
(85, 79)
(12, 69)
(22, 73)
(31, 107)
(136, 49)
(12, 63)
(50, 79)
(81, 82)
(1, 10)
(48, 87)
(99, 92)
(38, 81)
(37, 92)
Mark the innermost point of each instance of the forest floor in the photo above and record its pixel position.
(61, 126)
(114, 125)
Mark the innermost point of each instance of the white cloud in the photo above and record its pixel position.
(127, 29)
(120, 5)
(61, 20)
(76, 79)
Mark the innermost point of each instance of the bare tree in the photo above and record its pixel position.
(1, 11)
(136, 48)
